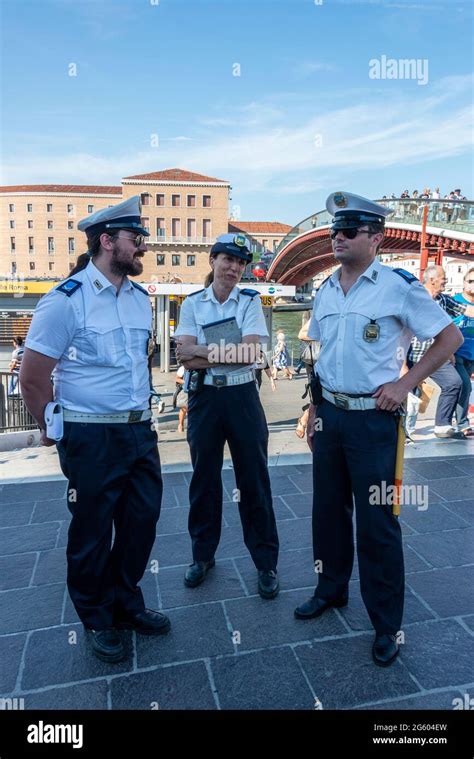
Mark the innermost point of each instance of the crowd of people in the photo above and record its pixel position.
(450, 208)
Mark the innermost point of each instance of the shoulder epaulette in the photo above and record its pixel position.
(69, 287)
(138, 287)
(406, 275)
(196, 292)
(248, 291)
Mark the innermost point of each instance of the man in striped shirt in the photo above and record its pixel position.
(446, 376)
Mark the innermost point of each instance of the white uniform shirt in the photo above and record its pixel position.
(348, 363)
(100, 338)
(203, 308)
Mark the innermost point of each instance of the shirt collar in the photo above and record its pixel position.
(100, 282)
(372, 273)
(208, 294)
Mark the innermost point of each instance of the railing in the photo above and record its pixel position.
(453, 215)
(14, 415)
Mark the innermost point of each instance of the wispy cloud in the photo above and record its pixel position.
(306, 68)
(284, 154)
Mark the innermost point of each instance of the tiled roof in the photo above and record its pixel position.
(259, 227)
(177, 175)
(64, 188)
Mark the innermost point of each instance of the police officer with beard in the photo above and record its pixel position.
(93, 332)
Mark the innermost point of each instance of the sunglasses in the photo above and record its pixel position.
(137, 239)
(350, 233)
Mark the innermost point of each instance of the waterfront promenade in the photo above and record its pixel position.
(228, 648)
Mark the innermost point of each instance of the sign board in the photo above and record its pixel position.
(20, 287)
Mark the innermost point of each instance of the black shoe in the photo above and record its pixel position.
(385, 650)
(196, 572)
(268, 585)
(146, 622)
(107, 645)
(315, 606)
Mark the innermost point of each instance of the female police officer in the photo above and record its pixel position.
(218, 336)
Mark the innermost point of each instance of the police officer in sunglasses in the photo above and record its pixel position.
(364, 316)
(94, 331)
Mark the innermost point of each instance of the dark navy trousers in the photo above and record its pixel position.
(114, 482)
(234, 415)
(352, 452)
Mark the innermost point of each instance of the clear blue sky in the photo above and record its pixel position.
(303, 119)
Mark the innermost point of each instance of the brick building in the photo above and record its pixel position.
(184, 212)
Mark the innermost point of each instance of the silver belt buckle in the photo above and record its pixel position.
(134, 416)
(219, 380)
(340, 401)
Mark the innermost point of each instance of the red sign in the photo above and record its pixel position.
(151, 289)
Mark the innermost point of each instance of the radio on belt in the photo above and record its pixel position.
(53, 417)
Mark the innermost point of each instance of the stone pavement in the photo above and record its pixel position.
(228, 648)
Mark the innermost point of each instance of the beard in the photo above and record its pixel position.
(124, 268)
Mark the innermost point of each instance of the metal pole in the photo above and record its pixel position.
(423, 248)
(166, 334)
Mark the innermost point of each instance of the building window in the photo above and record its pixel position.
(191, 201)
(12, 224)
(206, 201)
(145, 199)
(71, 243)
(160, 200)
(176, 227)
(50, 244)
(70, 225)
(191, 228)
(49, 208)
(175, 259)
(191, 261)
(31, 244)
(90, 209)
(11, 208)
(12, 244)
(50, 224)
(30, 223)
(160, 259)
(32, 265)
(51, 265)
(265, 244)
(146, 223)
(13, 267)
(160, 228)
(29, 207)
(206, 228)
(275, 245)
(70, 208)
(71, 265)
(459, 269)
(176, 200)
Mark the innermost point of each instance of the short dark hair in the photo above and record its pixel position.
(374, 229)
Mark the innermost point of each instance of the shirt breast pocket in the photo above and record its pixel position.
(374, 328)
(328, 321)
(97, 347)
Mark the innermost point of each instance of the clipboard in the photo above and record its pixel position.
(223, 333)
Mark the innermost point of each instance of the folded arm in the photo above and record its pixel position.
(194, 356)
